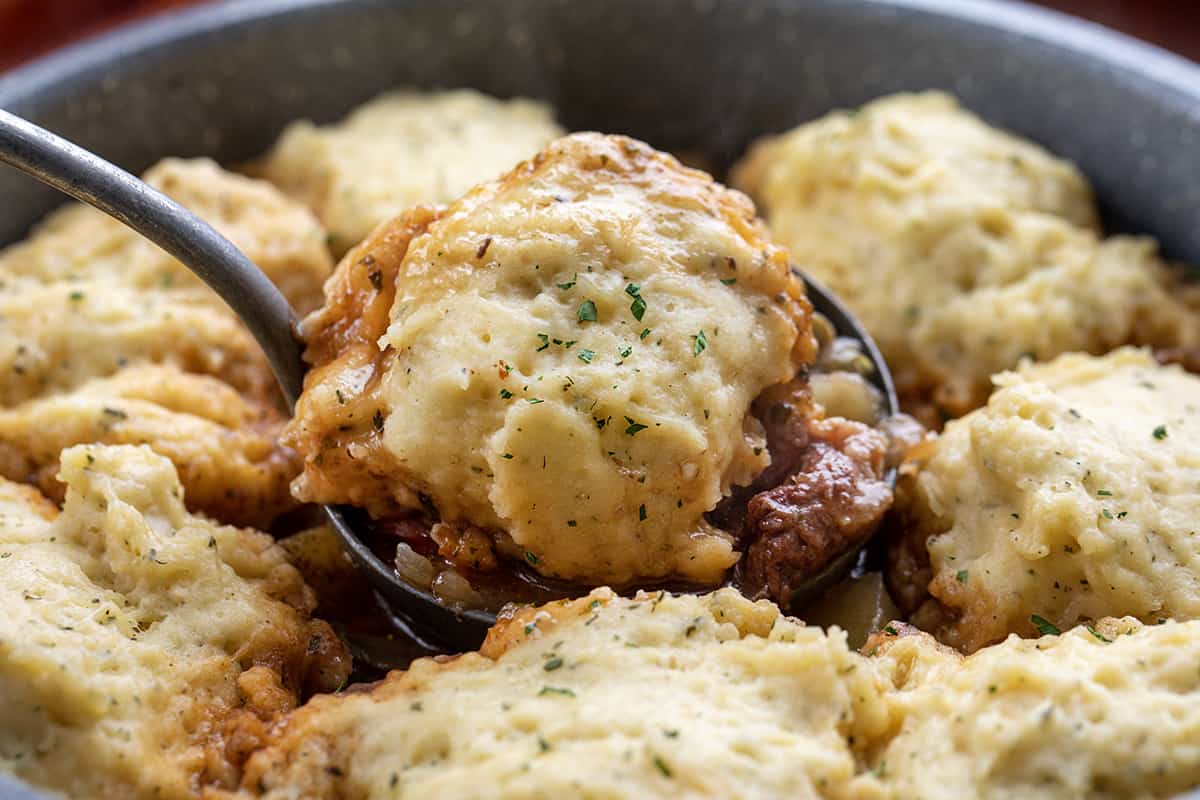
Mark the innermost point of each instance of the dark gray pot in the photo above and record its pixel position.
(711, 74)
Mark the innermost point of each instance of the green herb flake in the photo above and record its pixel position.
(1104, 493)
(729, 281)
(532, 558)
(634, 427)
(533, 401)
(505, 394)
(699, 343)
(890, 631)
(642, 513)
(545, 340)
(1045, 627)
(571, 523)
(961, 576)
(625, 351)
(556, 690)
(637, 307)
(587, 311)
(1104, 512)
(76, 296)
(543, 745)
(645, 332)
(586, 356)
(1160, 432)
(569, 284)
(1098, 635)
(552, 664)
(662, 767)
(507, 456)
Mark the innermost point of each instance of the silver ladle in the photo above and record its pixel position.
(264, 311)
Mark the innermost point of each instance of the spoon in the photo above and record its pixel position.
(264, 311)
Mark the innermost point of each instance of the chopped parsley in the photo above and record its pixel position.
(587, 311)
(76, 295)
(642, 513)
(544, 338)
(1098, 634)
(625, 351)
(586, 356)
(1106, 513)
(505, 394)
(571, 523)
(552, 664)
(634, 427)
(532, 558)
(962, 576)
(556, 690)
(729, 281)
(533, 401)
(569, 284)
(662, 767)
(699, 343)
(890, 631)
(1104, 493)
(1160, 432)
(1044, 626)
(638, 306)
(507, 456)
(645, 332)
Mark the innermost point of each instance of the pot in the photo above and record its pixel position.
(700, 75)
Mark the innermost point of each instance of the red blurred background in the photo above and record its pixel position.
(29, 28)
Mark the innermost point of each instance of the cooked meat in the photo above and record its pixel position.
(832, 501)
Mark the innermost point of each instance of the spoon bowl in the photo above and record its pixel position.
(264, 311)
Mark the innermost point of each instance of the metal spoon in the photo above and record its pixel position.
(217, 261)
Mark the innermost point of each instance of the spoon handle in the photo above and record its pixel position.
(215, 260)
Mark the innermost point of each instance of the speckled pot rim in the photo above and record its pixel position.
(1176, 78)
